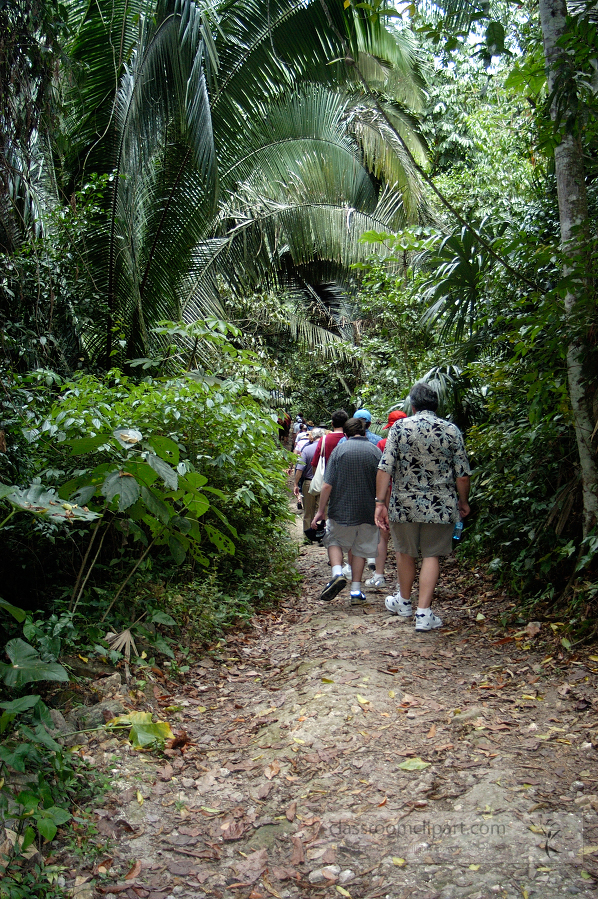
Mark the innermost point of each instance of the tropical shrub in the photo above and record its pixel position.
(185, 471)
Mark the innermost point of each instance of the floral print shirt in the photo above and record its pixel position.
(424, 455)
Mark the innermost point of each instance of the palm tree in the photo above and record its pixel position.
(242, 153)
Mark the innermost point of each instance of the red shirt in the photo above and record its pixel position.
(331, 442)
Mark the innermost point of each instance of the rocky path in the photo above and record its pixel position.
(331, 751)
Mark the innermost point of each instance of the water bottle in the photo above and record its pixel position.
(458, 530)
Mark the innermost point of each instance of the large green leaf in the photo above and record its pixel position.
(39, 500)
(143, 731)
(196, 503)
(123, 485)
(15, 611)
(178, 546)
(164, 470)
(27, 667)
(194, 480)
(166, 448)
(155, 504)
(47, 828)
(220, 540)
(20, 705)
(82, 445)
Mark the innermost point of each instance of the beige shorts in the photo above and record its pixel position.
(361, 539)
(429, 538)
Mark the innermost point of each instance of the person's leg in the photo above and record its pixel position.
(357, 566)
(347, 565)
(428, 578)
(310, 504)
(406, 572)
(334, 543)
(382, 551)
(335, 556)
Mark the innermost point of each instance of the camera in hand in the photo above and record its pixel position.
(316, 534)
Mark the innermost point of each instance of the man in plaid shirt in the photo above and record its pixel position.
(350, 489)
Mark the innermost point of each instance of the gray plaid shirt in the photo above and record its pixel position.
(351, 472)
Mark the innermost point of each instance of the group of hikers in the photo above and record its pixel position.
(412, 485)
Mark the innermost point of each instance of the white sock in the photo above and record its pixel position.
(356, 587)
(337, 569)
(403, 598)
(427, 611)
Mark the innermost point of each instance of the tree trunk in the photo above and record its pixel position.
(573, 217)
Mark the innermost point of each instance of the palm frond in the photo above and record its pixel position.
(457, 15)
(385, 156)
(390, 61)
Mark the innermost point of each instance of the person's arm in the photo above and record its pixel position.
(382, 495)
(316, 458)
(324, 497)
(298, 473)
(462, 484)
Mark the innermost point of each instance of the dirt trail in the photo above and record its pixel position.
(335, 752)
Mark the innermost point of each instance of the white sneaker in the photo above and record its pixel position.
(427, 621)
(398, 606)
(371, 564)
(347, 571)
(378, 580)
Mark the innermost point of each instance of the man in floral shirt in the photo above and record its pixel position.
(425, 457)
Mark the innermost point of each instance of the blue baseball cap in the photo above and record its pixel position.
(363, 413)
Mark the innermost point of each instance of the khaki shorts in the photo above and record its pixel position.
(361, 539)
(413, 537)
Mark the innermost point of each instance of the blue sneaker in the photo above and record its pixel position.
(333, 587)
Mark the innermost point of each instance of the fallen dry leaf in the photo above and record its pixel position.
(298, 854)
(291, 811)
(134, 871)
(250, 869)
(268, 886)
(312, 819)
(100, 867)
(234, 830)
(179, 739)
(272, 769)
(263, 790)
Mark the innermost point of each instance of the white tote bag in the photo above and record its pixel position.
(318, 478)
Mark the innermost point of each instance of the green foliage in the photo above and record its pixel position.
(39, 881)
(209, 198)
(26, 666)
(49, 300)
(143, 732)
(159, 465)
(36, 776)
(37, 500)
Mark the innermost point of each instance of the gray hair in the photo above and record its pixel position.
(422, 397)
(316, 433)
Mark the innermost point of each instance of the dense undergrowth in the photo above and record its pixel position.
(143, 516)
